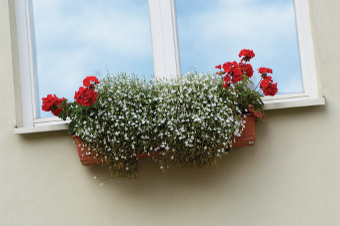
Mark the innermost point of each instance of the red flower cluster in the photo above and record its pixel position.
(268, 87)
(265, 71)
(233, 72)
(247, 70)
(218, 67)
(85, 96)
(90, 80)
(53, 104)
(246, 54)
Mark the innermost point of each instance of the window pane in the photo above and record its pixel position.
(213, 32)
(74, 39)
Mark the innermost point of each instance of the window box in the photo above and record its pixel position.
(247, 138)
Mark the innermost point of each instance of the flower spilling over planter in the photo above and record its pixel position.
(192, 120)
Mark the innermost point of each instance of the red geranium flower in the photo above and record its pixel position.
(227, 67)
(85, 96)
(52, 103)
(236, 65)
(56, 111)
(58, 107)
(270, 90)
(226, 80)
(47, 102)
(237, 75)
(248, 70)
(265, 71)
(268, 86)
(247, 54)
(234, 72)
(90, 80)
(265, 82)
(218, 67)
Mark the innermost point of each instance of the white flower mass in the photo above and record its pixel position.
(191, 119)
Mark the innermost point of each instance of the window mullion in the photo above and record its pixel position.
(164, 38)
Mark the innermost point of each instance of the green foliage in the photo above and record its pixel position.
(248, 96)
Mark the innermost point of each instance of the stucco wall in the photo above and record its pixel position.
(290, 177)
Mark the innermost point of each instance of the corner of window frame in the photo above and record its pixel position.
(312, 93)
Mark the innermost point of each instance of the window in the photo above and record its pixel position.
(73, 40)
(165, 51)
(213, 32)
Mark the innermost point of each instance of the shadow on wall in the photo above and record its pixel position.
(153, 181)
(47, 145)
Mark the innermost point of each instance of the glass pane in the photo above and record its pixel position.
(74, 39)
(213, 32)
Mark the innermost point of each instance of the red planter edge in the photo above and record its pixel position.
(247, 137)
(87, 158)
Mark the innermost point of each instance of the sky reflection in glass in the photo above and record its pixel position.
(75, 39)
(213, 32)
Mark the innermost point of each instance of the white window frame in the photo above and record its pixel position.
(166, 61)
(311, 95)
(164, 38)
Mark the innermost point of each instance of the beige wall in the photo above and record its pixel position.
(290, 177)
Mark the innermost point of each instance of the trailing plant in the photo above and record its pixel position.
(190, 120)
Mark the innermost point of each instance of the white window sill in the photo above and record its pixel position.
(291, 101)
(270, 103)
(43, 127)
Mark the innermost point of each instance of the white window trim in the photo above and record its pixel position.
(26, 65)
(166, 61)
(306, 48)
(164, 38)
(311, 95)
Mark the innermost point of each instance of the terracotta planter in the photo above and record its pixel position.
(248, 134)
(246, 139)
(86, 158)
